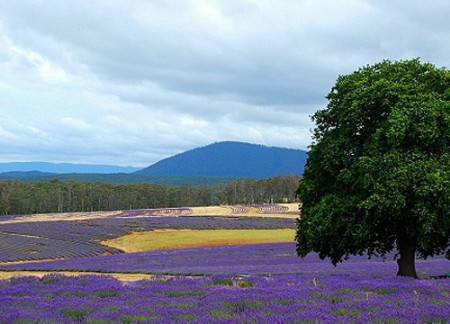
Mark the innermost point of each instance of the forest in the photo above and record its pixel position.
(19, 197)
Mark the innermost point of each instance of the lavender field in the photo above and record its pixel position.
(254, 283)
(251, 259)
(323, 298)
(80, 238)
(259, 283)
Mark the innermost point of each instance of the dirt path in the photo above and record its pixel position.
(121, 276)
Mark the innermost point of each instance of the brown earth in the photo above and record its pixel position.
(4, 275)
(292, 212)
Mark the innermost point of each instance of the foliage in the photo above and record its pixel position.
(378, 173)
(118, 178)
(17, 197)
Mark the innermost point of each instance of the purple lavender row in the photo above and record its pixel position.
(265, 209)
(103, 228)
(222, 299)
(68, 239)
(240, 209)
(183, 211)
(271, 209)
(254, 259)
(19, 248)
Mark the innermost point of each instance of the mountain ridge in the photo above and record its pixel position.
(218, 162)
(63, 168)
(228, 158)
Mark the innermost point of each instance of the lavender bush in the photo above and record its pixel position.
(267, 299)
(68, 239)
(263, 209)
(182, 211)
(18, 247)
(257, 283)
(254, 259)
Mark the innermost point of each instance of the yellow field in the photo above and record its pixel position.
(173, 239)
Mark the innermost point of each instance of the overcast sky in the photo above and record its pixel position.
(129, 82)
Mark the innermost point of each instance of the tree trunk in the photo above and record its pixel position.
(406, 262)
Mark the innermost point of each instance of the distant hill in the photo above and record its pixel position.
(60, 168)
(117, 178)
(24, 175)
(216, 163)
(231, 159)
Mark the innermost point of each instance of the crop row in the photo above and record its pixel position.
(264, 209)
(225, 299)
(272, 209)
(21, 248)
(156, 212)
(240, 209)
(256, 259)
(55, 239)
(104, 228)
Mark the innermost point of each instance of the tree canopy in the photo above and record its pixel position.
(377, 178)
(17, 197)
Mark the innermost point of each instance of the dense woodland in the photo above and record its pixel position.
(18, 197)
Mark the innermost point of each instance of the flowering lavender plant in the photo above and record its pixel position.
(80, 238)
(222, 299)
(255, 259)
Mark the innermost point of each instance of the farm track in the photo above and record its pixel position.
(124, 277)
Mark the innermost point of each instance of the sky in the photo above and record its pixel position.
(130, 82)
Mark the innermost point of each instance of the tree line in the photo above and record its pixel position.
(18, 197)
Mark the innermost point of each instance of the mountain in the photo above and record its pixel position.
(216, 163)
(61, 168)
(231, 159)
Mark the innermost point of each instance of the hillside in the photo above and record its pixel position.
(231, 159)
(62, 168)
(116, 178)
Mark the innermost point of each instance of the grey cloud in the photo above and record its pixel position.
(119, 48)
(145, 80)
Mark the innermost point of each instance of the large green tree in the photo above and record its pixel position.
(377, 178)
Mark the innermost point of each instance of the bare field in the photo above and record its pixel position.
(291, 211)
(174, 239)
(40, 274)
(61, 216)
